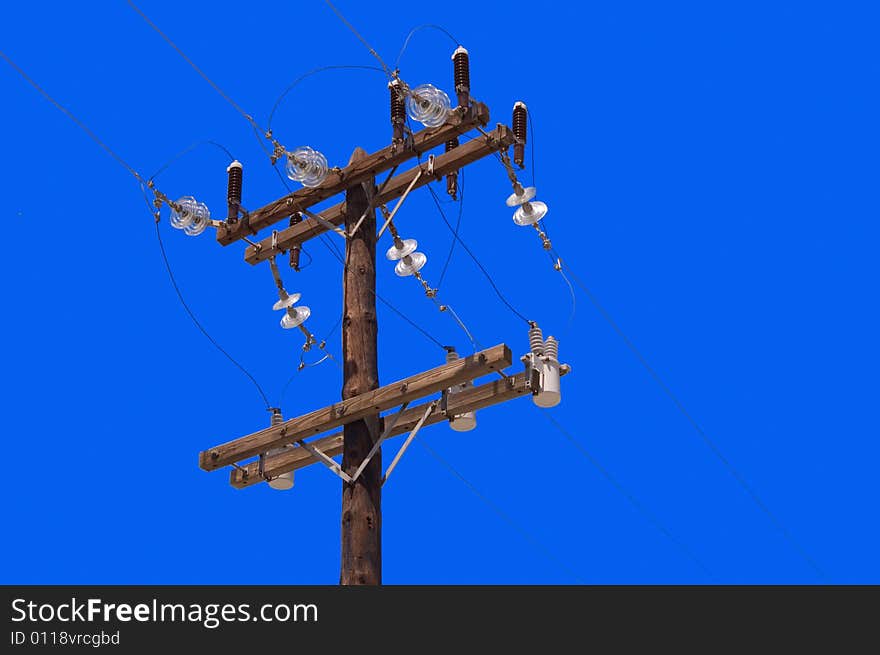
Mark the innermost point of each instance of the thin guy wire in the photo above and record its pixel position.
(360, 38)
(503, 515)
(198, 70)
(474, 258)
(696, 426)
(186, 151)
(331, 246)
(626, 494)
(320, 69)
(417, 29)
(198, 324)
(70, 115)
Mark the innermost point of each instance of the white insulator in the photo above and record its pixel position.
(408, 247)
(284, 481)
(516, 199)
(411, 264)
(530, 213)
(428, 105)
(286, 300)
(536, 339)
(551, 348)
(295, 316)
(307, 166)
(460, 422)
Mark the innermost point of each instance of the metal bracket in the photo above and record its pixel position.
(409, 439)
(326, 224)
(431, 165)
(399, 203)
(326, 460)
(389, 426)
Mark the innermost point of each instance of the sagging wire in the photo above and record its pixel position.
(185, 152)
(419, 28)
(456, 231)
(159, 199)
(476, 261)
(189, 311)
(302, 77)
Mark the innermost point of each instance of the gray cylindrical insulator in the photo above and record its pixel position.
(520, 129)
(551, 348)
(451, 356)
(277, 418)
(233, 189)
(536, 339)
(462, 73)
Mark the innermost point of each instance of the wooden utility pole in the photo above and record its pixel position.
(361, 499)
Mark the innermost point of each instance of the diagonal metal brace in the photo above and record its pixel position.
(389, 426)
(327, 224)
(326, 460)
(399, 203)
(409, 439)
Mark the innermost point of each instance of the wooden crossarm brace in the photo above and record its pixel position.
(459, 122)
(467, 400)
(353, 409)
(448, 162)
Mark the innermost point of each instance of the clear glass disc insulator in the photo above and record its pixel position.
(417, 261)
(409, 247)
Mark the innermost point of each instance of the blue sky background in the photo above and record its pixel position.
(711, 171)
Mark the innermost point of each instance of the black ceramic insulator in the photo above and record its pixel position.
(398, 111)
(233, 190)
(520, 125)
(462, 73)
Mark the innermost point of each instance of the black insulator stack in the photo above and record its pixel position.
(295, 250)
(233, 190)
(452, 178)
(520, 127)
(462, 72)
(398, 110)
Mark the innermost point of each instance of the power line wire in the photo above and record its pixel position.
(528, 536)
(196, 321)
(713, 447)
(198, 70)
(360, 38)
(457, 229)
(418, 29)
(76, 121)
(319, 69)
(186, 151)
(474, 258)
(626, 494)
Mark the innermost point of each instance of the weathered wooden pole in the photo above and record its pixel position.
(361, 500)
